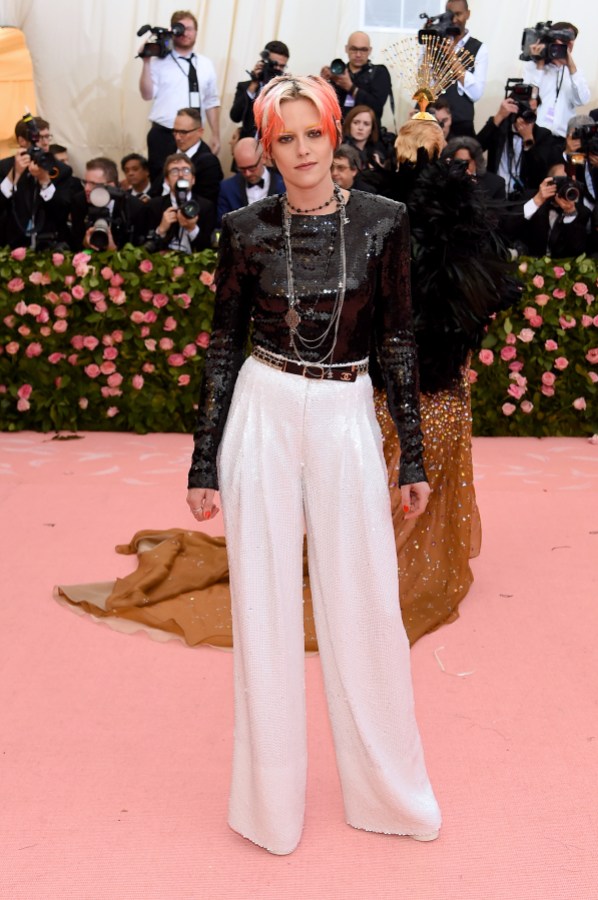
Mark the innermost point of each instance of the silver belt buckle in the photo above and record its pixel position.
(313, 369)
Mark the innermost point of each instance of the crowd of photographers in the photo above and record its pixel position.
(535, 158)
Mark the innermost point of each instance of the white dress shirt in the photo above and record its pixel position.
(474, 82)
(560, 93)
(255, 192)
(170, 80)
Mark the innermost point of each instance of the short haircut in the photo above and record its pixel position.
(577, 121)
(107, 166)
(356, 111)
(22, 127)
(464, 142)
(442, 103)
(277, 47)
(285, 88)
(345, 151)
(183, 14)
(178, 157)
(464, 2)
(57, 148)
(419, 133)
(192, 112)
(135, 157)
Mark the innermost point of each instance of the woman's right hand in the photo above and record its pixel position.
(201, 503)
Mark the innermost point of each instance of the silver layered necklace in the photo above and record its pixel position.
(299, 343)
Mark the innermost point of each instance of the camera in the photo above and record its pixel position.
(522, 94)
(161, 43)
(588, 135)
(566, 188)
(189, 208)
(41, 158)
(544, 34)
(438, 26)
(338, 66)
(99, 217)
(269, 71)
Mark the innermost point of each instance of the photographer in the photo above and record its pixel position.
(188, 134)
(581, 155)
(470, 152)
(35, 190)
(180, 79)
(180, 220)
(519, 150)
(555, 220)
(121, 221)
(464, 93)
(561, 85)
(272, 62)
(359, 82)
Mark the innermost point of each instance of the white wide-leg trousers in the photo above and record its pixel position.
(295, 454)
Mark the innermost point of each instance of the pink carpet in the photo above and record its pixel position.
(115, 749)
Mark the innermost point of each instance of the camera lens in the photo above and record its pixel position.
(337, 66)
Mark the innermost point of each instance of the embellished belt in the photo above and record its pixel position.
(334, 372)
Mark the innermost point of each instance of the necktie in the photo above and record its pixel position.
(193, 82)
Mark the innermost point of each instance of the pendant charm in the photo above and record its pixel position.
(292, 318)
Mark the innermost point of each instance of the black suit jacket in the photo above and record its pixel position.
(535, 162)
(374, 89)
(26, 213)
(206, 221)
(560, 241)
(208, 174)
(242, 110)
(129, 221)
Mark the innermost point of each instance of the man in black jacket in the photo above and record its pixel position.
(124, 216)
(188, 134)
(175, 225)
(247, 91)
(555, 222)
(362, 82)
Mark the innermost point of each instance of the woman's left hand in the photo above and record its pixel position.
(414, 498)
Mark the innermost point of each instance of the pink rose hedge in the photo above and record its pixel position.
(537, 371)
(117, 342)
(103, 341)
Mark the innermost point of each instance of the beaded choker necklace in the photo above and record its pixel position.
(314, 208)
(299, 343)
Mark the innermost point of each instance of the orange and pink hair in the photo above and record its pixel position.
(267, 113)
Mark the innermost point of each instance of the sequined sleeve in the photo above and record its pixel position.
(232, 311)
(397, 349)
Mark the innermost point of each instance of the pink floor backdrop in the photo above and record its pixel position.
(115, 749)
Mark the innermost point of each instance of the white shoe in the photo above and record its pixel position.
(425, 837)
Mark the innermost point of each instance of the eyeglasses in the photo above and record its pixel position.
(46, 137)
(250, 168)
(92, 184)
(359, 49)
(176, 170)
(185, 130)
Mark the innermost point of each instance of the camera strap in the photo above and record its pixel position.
(191, 76)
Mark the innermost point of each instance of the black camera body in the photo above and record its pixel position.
(566, 188)
(438, 26)
(99, 216)
(588, 135)
(522, 94)
(549, 37)
(162, 42)
(41, 158)
(189, 208)
(269, 70)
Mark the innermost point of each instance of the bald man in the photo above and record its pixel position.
(252, 181)
(362, 82)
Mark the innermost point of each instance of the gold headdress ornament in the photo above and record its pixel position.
(427, 67)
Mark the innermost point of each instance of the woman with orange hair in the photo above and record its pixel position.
(290, 436)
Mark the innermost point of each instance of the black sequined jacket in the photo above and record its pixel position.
(251, 296)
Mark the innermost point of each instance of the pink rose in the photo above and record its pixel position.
(529, 311)
(170, 324)
(57, 259)
(115, 380)
(83, 402)
(66, 297)
(78, 292)
(23, 405)
(69, 280)
(110, 353)
(508, 409)
(548, 378)
(160, 300)
(526, 406)
(137, 316)
(33, 350)
(24, 330)
(117, 296)
(507, 353)
(90, 342)
(58, 382)
(117, 280)
(579, 403)
(118, 336)
(593, 376)
(551, 345)
(561, 363)
(107, 367)
(536, 321)
(137, 382)
(110, 392)
(516, 391)
(55, 358)
(107, 340)
(176, 359)
(150, 316)
(559, 294)
(189, 350)
(61, 312)
(203, 340)
(37, 278)
(177, 272)
(542, 299)
(596, 321)
(518, 379)
(144, 331)
(106, 273)
(146, 295)
(15, 285)
(81, 258)
(510, 338)
(9, 321)
(19, 253)
(526, 335)
(538, 281)
(96, 296)
(547, 390)
(587, 321)
(12, 348)
(3, 389)
(184, 380)
(24, 392)
(112, 411)
(580, 289)
(166, 344)
(60, 326)
(567, 322)
(150, 344)
(206, 278)
(591, 355)
(72, 359)
(559, 271)
(148, 368)
(184, 300)
(100, 306)
(34, 309)
(45, 331)
(146, 265)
